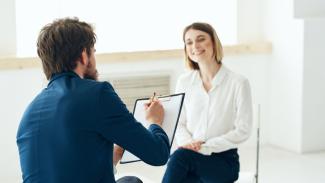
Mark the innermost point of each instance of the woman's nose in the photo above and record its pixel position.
(196, 45)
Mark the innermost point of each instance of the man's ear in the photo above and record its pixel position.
(84, 57)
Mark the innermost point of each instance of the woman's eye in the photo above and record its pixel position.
(188, 43)
(201, 39)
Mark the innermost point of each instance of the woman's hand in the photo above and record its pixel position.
(194, 146)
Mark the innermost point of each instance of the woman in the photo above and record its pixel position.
(217, 113)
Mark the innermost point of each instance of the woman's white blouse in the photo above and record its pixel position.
(222, 117)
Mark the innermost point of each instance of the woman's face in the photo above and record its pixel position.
(199, 46)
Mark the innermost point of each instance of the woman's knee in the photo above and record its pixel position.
(182, 154)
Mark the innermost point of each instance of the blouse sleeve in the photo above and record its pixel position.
(242, 126)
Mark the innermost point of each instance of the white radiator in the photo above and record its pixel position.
(132, 87)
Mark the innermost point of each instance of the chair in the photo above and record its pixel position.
(252, 177)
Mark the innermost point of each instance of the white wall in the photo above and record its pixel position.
(296, 94)
(149, 28)
(309, 8)
(285, 71)
(250, 21)
(20, 87)
(17, 89)
(313, 137)
(8, 28)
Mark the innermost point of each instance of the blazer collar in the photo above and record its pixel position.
(63, 74)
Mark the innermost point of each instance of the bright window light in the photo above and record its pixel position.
(127, 25)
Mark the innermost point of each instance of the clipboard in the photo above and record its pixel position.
(172, 107)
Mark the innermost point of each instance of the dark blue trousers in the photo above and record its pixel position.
(129, 179)
(187, 166)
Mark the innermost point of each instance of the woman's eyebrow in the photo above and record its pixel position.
(200, 36)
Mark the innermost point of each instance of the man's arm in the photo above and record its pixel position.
(119, 126)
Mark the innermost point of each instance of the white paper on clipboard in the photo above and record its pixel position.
(172, 107)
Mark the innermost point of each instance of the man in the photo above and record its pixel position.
(67, 132)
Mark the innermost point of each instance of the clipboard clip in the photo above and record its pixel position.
(164, 98)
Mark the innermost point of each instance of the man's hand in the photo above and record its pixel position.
(154, 112)
(194, 146)
(117, 154)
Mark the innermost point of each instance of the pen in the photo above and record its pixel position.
(153, 97)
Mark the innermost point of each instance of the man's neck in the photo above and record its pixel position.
(79, 70)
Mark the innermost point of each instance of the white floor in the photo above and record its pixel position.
(276, 166)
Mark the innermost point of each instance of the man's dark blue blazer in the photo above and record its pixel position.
(67, 133)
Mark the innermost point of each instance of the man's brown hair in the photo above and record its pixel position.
(61, 43)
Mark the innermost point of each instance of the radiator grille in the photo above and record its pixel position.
(131, 88)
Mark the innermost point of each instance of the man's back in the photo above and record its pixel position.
(67, 133)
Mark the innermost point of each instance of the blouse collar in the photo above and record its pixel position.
(217, 79)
